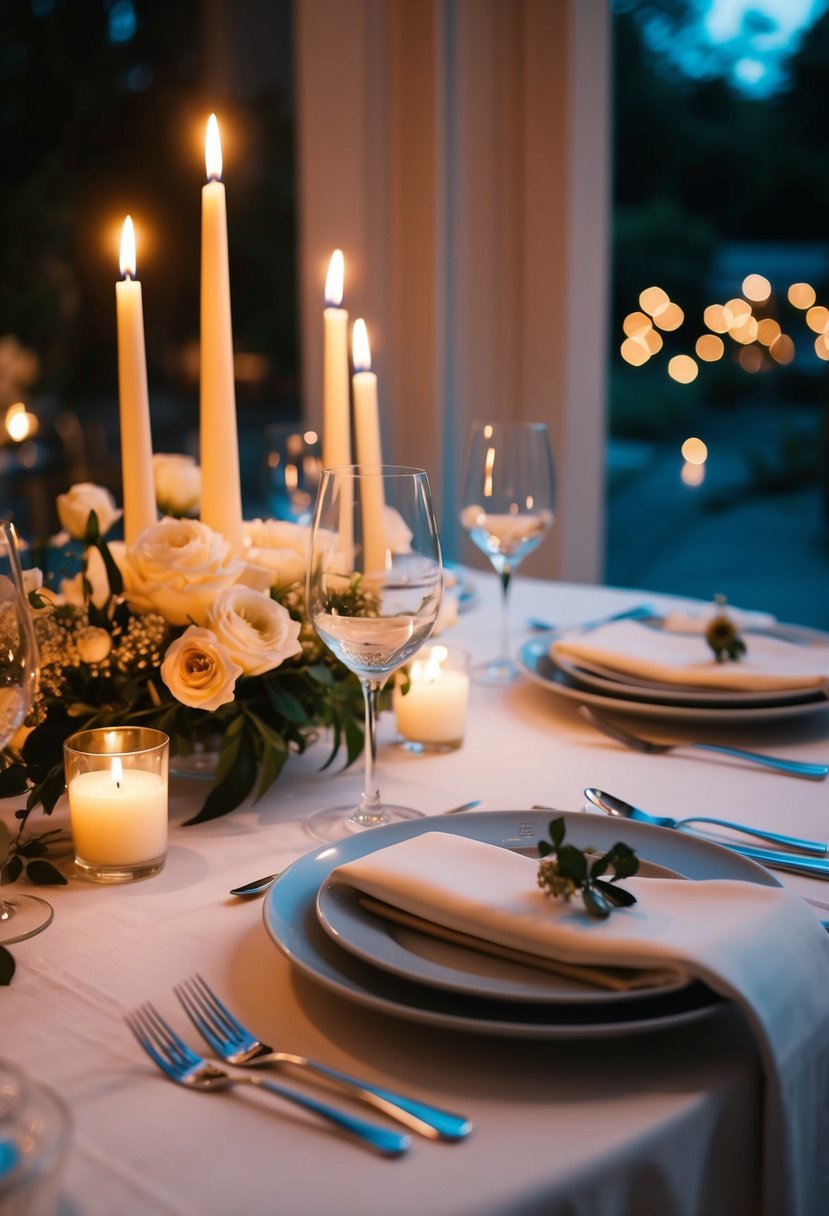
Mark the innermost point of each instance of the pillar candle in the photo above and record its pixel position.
(134, 405)
(221, 496)
(118, 815)
(369, 449)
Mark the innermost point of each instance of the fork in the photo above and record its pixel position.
(185, 1067)
(234, 1043)
(794, 768)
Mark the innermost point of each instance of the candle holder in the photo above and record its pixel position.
(430, 700)
(116, 779)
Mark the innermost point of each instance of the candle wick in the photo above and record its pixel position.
(118, 785)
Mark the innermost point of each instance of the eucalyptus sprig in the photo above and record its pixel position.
(722, 634)
(565, 869)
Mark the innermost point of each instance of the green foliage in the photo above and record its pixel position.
(565, 869)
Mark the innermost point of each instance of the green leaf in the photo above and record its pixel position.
(272, 764)
(624, 861)
(335, 746)
(93, 530)
(354, 740)
(5, 842)
(7, 966)
(599, 866)
(116, 582)
(44, 874)
(234, 781)
(617, 895)
(12, 870)
(544, 848)
(13, 781)
(287, 704)
(321, 673)
(556, 830)
(595, 903)
(572, 863)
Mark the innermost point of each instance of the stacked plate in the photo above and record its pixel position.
(331, 939)
(600, 686)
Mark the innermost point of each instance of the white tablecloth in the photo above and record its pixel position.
(667, 1123)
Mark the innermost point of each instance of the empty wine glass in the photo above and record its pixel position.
(374, 588)
(21, 916)
(508, 499)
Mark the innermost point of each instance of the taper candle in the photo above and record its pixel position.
(369, 449)
(138, 491)
(221, 495)
(336, 424)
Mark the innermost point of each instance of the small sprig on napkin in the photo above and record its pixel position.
(565, 869)
(722, 634)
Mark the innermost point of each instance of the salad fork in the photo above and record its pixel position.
(794, 768)
(230, 1040)
(185, 1067)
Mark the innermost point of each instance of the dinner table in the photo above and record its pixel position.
(640, 1119)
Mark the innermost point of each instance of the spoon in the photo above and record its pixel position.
(260, 885)
(796, 863)
(639, 612)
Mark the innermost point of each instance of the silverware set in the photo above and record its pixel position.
(234, 1044)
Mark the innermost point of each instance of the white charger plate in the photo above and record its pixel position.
(290, 919)
(534, 661)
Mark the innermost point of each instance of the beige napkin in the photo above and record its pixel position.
(757, 946)
(665, 657)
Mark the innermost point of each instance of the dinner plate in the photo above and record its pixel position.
(290, 919)
(536, 664)
(442, 964)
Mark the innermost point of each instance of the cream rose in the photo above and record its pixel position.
(257, 633)
(280, 547)
(75, 506)
(94, 644)
(198, 670)
(177, 568)
(177, 481)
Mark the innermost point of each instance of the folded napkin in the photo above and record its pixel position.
(666, 657)
(757, 946)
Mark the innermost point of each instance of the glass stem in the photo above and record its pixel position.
(370, 811)
(506, 575)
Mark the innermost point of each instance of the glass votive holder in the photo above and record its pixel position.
(34, 1136)
(430, 699)
(117, 779)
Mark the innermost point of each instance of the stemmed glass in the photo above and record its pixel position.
(374, 588)
(508, 499)
(21, 916)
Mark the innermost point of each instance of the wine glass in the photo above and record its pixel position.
(374, 587)
(508, 501)
(21, 916)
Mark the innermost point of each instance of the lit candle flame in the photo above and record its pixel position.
(360, 349)
(213, 150)
(128, 249)
(335, 279)
(117, 771)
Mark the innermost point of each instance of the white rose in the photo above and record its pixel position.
(32, 579)
(72, 590)
(177, 568)
(257, 633)
(177, 483)
(93, 644)
(280, 547)
(198, 670)
(75, 506)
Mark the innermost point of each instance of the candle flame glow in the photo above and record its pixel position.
(128, 248)
(335, 279)
(213, 150)
(429, 670)
(489, 465)
(117, 771)
(360, 349)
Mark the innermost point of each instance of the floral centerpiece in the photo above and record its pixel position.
(178, 632)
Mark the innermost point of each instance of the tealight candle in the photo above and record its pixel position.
(431, 714)
(117, 785)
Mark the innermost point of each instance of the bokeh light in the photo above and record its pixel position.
(709, 348)
(653, 300)
(751, 359)
(692, 474)
(767, 331)
(739, 309)
(744, 331)
(782, 349)
(695, 451)
(756, 287)
(636, 324)
(683, 369)
(670, 317)
(801, 295)
(718, 318)
(817, 319)
(634, 351)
